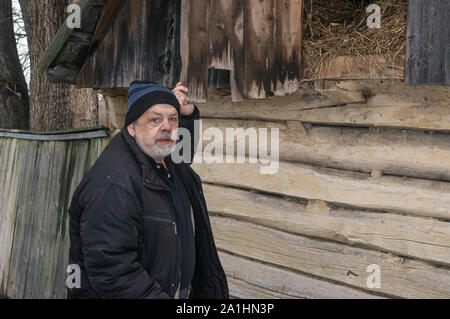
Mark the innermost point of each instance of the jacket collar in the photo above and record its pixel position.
(148, 171)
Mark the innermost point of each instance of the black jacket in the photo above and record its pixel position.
(123, 232)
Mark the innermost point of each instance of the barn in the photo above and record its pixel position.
(359, 203)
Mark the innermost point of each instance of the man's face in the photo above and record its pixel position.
(155, 131)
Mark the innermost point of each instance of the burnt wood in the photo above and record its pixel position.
(428, 43)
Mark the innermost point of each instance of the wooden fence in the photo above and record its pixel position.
(38, 175)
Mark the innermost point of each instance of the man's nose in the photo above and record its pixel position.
(165, 126)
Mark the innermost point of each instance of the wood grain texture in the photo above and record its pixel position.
(343, 264)
(194, 48)
(276, 281)
(394, 106)
(392, 151)
(268, 25)
(37, 181)
(428, 47)
(415, 237)
(226, 47)
(387, 193)
(125, 53)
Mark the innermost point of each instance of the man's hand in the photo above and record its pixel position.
(186, 108)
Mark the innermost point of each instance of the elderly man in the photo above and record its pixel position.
(139, 226)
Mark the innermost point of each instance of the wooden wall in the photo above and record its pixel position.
(359, 183)
(363, 179)
(37, 180)
(428, 58)
(258, 43)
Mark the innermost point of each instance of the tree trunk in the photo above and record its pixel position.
(14, 101)
(53, 106)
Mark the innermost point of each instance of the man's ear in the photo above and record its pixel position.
(131, 130)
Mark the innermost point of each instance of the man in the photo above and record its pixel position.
(139, 226)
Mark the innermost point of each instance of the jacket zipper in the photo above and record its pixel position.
(162, 220)
(159, 188)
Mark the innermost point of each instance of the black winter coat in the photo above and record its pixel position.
(123, 232)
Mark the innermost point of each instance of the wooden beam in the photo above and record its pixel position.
(387, 193)
(391, 151)
(413, 110)
(243, 290)
(416, 237)
(339, 263)
(286, 283)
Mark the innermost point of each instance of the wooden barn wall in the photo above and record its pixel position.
(359, 183)
(165, 41)
(37, 180)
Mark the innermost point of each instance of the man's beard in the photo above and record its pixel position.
(157, 151)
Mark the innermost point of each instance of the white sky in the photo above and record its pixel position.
(22, 45)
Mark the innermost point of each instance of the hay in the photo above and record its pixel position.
(333, 28)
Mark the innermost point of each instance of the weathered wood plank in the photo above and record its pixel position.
(9, 180)
(286, 283)
(387, 193)
(272, 47)
(37, 180)
(428, 46)
(243, 290)
(394, 152)
(259, 24)
(125, 55)
(26, 213)
(348, 265)
(416, 237)
(400, 114)
(287, 45)
(194, 48)
(226, 36)
(40, 278)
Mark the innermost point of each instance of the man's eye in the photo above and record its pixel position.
(174, 119)
(154, 120)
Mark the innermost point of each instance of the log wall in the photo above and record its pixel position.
(363, 179)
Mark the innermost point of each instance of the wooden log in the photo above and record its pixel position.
(226, 36)
(280, 281)
(416, 237)
(340, 263)
(405, 153)
(387, 193)
(194, 48)
(392, 105)
(243, 290)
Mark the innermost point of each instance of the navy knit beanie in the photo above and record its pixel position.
(142, 95)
